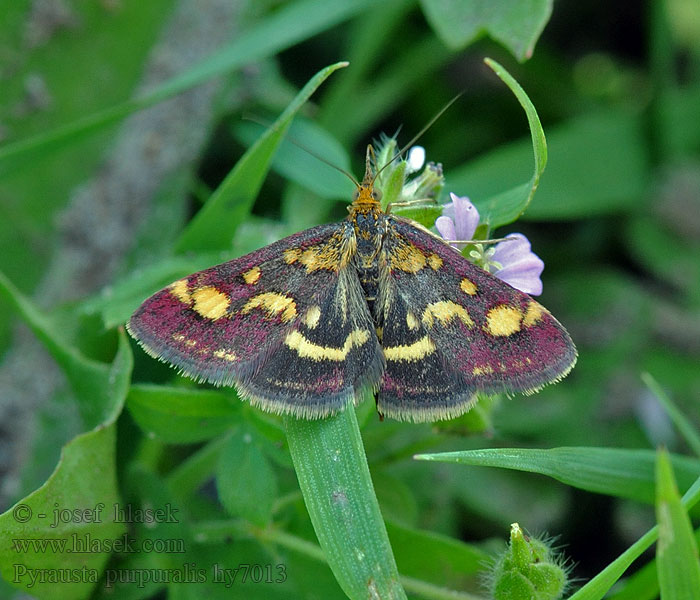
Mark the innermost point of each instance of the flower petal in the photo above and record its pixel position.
(466, 217)
(416, 159)
(446, 227)
(520, 267)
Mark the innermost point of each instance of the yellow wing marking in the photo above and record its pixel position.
(411, 352)
(273, 304)
(305, 348)
(503, 320)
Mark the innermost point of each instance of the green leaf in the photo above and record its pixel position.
(180, 415)
(506, 207)
(246, 482)
(677, 560)
(425, 215)
(616, 472)
(516, 25)
(67, 64)
(85, 476)
(99, 388)
(214, 225)
(597, 587)
(84, 480)
(334, 479)
(193, 472)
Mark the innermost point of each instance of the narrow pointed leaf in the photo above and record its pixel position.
(507, 206)
(599, 586)
(334, 478)
(612, 471)
(214, 225)
(677, 560)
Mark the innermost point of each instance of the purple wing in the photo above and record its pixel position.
(287, 324)
(450, 329)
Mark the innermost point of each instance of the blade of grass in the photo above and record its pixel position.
(644, 583)
(612, 471)
(677, 561)
(679, 419)
(597, 587)
(334, 478)
(214, 225)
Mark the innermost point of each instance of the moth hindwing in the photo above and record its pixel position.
(300, 326)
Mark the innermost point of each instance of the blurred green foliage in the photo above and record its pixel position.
(616, 219)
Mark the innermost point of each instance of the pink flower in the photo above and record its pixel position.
(511, 261)
(459, 220)
(520, 267)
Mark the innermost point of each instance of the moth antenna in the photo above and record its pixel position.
(416, 137)
(317, 156)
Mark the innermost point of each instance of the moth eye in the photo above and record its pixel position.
(377, 195)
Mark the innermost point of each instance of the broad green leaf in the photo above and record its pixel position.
(506, 207)
(245, 480)
(516, 25)
(680, 420)
(334, 479)
(612, 471)
(85, 477)
(99, 388)
(84, 480)
(597, 587)
(677, 560)
(214, 225)
(180, 415)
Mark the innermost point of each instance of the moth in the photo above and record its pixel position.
(302, 325)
